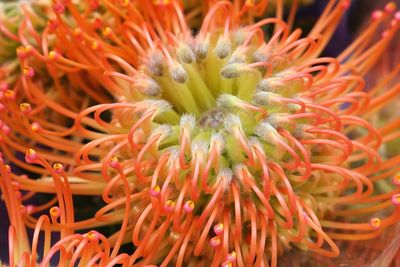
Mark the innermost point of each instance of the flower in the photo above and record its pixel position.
(224, 147)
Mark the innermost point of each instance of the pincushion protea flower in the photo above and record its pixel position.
(223, 147)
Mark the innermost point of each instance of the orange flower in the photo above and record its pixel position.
(224, 147)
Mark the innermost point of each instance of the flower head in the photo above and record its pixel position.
(222, 147)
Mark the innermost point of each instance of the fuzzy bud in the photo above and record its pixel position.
(149, 87)
(188, 121)
(156, 65)
(218, 140)
(201, 50)
(258, 57)
(186, 54)
(163, 130)
(199, 147)
(223, 48)
(160, 106)
(227, 101)
(264, 86)
(179, 74)
(225, 176)
(266, 131)
(232, 122)
(277, 120)
(264, 98)
(233, 70)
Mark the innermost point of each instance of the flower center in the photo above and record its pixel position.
(199, 75)
(215, 84)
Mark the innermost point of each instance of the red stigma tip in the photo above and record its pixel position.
(54, 55)
(162, 3)
(396, 199)
(94, 4)
(114, 163)
(58, 168)
(35, 126)
(96, 46)
(9, 94)
(58, 7)
(249, 3)
(397, 16)
(124, 3)
(396, 180)
(98, 23)
(107, 31)
(30, 209)
(25, 108)
(155, 191)
(227, 264)
(5, 129)
(52, 24)
(169, 205)
(375, 223)
(28, 71)
(22, 210)
(385, 34)
(4, 87)
(231, 257)
(346, 4)
(16, 185)
(377, 14)
(218, 228)
(390, 7)
(93, 236)
(31, 156)
(189, 206)
(215, 241)
(55, 212)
